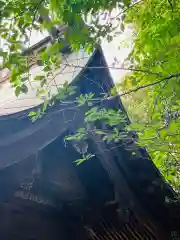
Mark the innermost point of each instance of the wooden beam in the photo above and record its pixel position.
(123, 194)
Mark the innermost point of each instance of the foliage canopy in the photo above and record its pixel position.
(156, 49)
(153, 87)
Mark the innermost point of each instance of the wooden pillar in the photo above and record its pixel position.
(123, 194)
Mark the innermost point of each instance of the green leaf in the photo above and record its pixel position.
(109, 38)
(100, 132)
(39, 78)
(79, 161)
(113, 91)
(24, 88)
(41, 92)
(4, 35)
(122, 27)
(18, 91)
(40, 63)
(69, 138)
(31, 114)
(47, 68)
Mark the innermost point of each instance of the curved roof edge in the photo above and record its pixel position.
(30, 137)
(24, 113)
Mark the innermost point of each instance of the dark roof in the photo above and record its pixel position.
(20, 137)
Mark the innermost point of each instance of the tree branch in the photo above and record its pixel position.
(150, 84)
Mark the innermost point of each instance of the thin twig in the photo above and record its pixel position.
(125, 10)
(115, 68)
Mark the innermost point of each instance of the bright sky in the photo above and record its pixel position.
(119, 48)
